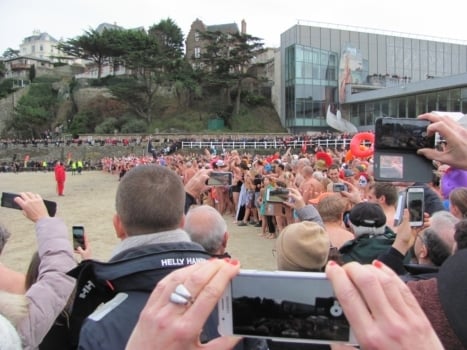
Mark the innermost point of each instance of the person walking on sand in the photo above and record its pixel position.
(60, 176)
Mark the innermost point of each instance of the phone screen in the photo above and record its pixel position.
(8, 201)
(78, 237)
(266, 306)
(415, 204)
(220, 178)
(278, 195)
(408, 134)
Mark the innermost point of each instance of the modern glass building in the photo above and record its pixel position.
(332, 74)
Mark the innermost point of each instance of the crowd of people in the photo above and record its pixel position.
(399, 286)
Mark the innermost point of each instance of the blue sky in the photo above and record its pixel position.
(265, 19)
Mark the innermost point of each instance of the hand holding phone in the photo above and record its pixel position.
(8, 201)
(78, 237)
(416, 205)
(261, 304)
(397, 141)
(339, 187)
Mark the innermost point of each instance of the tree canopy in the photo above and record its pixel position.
(35, 111)
(154, 66)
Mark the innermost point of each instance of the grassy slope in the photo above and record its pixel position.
(263, 119)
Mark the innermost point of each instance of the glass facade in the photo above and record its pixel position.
(310, 84)
(321, 67)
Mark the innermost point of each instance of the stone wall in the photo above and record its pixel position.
(82, 152)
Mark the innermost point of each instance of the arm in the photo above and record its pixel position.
(49, 295)
(195, 186)
(305, 212)
(405, 238)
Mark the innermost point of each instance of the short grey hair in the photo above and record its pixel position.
(206, 226)
(443, 224)
(4, 235)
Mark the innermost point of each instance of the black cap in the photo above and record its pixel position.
(368, 215)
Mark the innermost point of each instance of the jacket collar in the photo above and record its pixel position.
(172, 236)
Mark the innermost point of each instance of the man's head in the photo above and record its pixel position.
(436, 243)
(367, 218)
(150, 199)
(332, 207)
(333, 173)
(4, 235)
(302, 246)
(307, 172)
(207, 227)
(383, 193)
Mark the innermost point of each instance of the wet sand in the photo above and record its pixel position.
(89, 200)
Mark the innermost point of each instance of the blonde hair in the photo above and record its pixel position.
(332, 207)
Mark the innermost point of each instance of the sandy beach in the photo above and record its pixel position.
(89, 200)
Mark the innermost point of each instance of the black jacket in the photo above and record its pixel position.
(125, 283)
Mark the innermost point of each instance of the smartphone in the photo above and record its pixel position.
(220, 178)
(277, 195)
(9, 202)
(401, 203)
(262, 304)
(339, 187)
(396, 143)
(416, 205)
(408, 134)
(78, 236)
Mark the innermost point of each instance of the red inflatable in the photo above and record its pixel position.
(358, 140)
(325, 157)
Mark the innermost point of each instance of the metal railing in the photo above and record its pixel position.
(267, 144)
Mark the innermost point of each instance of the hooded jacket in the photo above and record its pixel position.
(126, 282)
(48, 296)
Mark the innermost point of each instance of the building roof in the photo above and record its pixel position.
(417, 87)
(101, 27)
(26, 57)
(39, 37)
(223, 28)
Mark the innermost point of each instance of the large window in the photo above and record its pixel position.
(310, 74)
(197, 52)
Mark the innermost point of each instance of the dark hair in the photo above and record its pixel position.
(33, 271)
(386, 189)
(438, 250)
(460, 234)
(334, 167)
